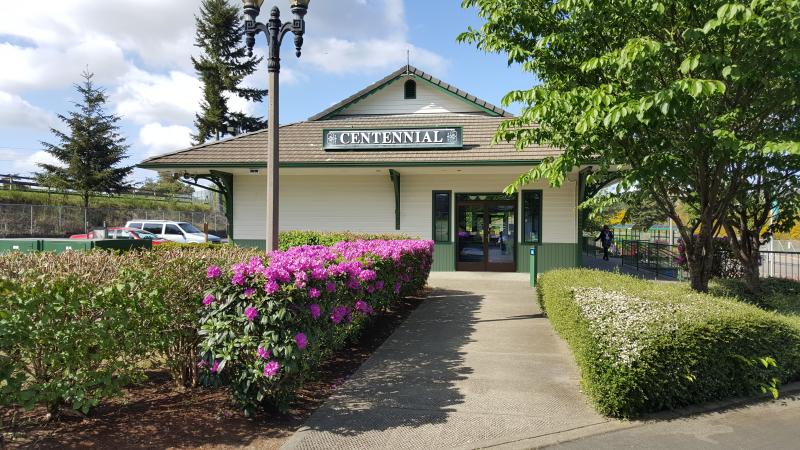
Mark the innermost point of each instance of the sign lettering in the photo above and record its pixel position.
(422, 138)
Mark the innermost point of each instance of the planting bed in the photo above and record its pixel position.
(154, 415)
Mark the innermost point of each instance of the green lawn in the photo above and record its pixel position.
(128, 202)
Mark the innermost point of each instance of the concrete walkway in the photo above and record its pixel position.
(476, 365)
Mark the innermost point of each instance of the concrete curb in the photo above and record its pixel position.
(649, 419)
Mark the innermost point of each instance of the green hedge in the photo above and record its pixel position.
(647, 346)
(76, 327)
(288, 239)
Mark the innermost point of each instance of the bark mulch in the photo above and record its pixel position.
(155, 415)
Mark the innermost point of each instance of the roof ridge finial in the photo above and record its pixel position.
(408, 61)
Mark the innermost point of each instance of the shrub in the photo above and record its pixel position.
(168, 281)
(69, 334)
(725, 264)
(647, 346)
(269, 326)
(288, 239)
(775, 294)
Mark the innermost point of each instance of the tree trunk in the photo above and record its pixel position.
(85, 212)
(700, 259)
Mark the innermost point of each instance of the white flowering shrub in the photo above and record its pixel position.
(648, 346)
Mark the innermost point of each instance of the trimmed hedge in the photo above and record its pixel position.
(289, 239)
(76, 327)
(271, 323)
(647, 346)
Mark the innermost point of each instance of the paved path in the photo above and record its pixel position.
(476, 365)
(615, 265)
(764, 425)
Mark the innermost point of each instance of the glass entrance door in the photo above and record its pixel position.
(486, 233)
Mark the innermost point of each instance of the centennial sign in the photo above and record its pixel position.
(406, 138)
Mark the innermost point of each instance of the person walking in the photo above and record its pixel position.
(606, 238)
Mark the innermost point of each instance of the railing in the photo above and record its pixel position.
(780, 265)
(46, 221)
(660, 259)
(29, 185)
(655, 257)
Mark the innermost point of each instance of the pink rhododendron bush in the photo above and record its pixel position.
(271, 321)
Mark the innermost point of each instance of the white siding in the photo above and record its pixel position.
(391, 100)
(249, 207)
(559, 219)
(366, 203)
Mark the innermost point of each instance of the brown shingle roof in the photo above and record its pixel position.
(301, 144)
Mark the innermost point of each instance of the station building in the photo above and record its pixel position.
(408, 154)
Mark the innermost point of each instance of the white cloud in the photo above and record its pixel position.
(29, 68)
(16, 112)
(158, 31)
(161, 139)
(143, 97)
(343, 56)
(25, 164)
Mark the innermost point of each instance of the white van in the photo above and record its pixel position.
(173, 231)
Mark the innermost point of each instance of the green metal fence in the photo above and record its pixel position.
(65, 245)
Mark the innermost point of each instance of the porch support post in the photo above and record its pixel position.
(226, 186)
(395, 177)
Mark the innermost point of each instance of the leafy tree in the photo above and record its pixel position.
(90, 151)
(222, 67)
(166, 185)
(675, 94)
(770, 203)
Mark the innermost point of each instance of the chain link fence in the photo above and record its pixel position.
(48, 221)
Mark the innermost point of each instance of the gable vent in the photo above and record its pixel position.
(411, 90)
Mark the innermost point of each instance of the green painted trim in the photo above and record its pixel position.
(394, 176)
(247, 165)
(522, 211)
(463, 99)
(449, 216)
(263, 165)
(252, 243)
(420, 147)
(416, 77)
(444, 259)
(549, 256)
(361, 97)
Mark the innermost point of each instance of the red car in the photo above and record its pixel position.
(123, 233)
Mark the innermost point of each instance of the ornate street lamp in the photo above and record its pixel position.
(275, 30)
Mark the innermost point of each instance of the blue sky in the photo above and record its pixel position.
(139, 51)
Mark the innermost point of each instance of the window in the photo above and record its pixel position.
(411, 89)
(173, 229)
(189, 228)
(154, 228)
(441, 216)
(135, 225)
(123, 234)
(532, 217)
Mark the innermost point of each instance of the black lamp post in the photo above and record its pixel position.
(275, 30)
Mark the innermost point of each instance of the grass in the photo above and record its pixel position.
(123, 202)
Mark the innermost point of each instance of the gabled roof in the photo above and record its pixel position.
(405, 71)
(302, 146)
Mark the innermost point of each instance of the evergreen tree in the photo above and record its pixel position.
(166, 184)
(90, 150)
(221, 67)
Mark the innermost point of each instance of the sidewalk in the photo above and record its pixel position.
(615, 265)
(476, 365)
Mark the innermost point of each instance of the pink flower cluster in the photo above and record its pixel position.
(322, 288)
